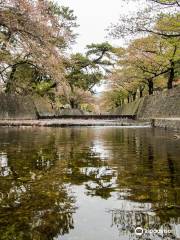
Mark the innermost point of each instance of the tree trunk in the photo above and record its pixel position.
(151, 87)
(128, 99)
(134, 96)
(52, 106)
(116, 104)
(141, 92)
(72, 103)
(171, 76)
(10, 81)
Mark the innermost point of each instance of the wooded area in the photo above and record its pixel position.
(36, 56)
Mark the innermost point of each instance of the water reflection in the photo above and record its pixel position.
(130, 177)
(4, 169)
(127, 221)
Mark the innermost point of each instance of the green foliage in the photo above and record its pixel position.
(168, 25)
(100, 49)
(84, 71)
(87, 107)
(113, 99)
(33, 40)
(27, 79)
(151, 61)
(166, 2)
(67, 18)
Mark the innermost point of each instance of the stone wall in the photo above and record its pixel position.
(163, 108)
(43, 107)
(167, 123)
(70, 112)
(16, 107)
(161, 105)
(129, 109)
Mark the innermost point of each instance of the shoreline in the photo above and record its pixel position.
(164, 123)
(167, 123)
(73, 122)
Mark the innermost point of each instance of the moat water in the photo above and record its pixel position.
(89, 183)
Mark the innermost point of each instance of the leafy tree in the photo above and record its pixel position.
(146, 62)
(83, 72)
(113, 99)
(166, 2)
(160, 17)
(154, 56)
(164, 25)
(34, 34)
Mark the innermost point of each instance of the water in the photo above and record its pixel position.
(89, 183)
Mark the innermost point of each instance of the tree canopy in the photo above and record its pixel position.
(150, 60)
(34, 33)
(36, 56)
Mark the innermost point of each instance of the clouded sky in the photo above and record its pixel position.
(94, 16)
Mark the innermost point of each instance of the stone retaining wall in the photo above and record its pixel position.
(167, 123)
(16, 107)
(129, 109)
(43, 107)
(161, 105)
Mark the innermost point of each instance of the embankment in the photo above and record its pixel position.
(74, 123)
(163, 109)
(16, 107)
(24, 107)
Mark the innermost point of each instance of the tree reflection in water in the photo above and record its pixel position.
(40, 167)
(149, 176)
(34, 201)
(127, 221)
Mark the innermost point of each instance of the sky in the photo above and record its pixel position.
(94, 16)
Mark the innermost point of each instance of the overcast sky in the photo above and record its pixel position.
(94, 16)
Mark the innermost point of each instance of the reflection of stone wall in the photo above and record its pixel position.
(161, 105)
(16, 107)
